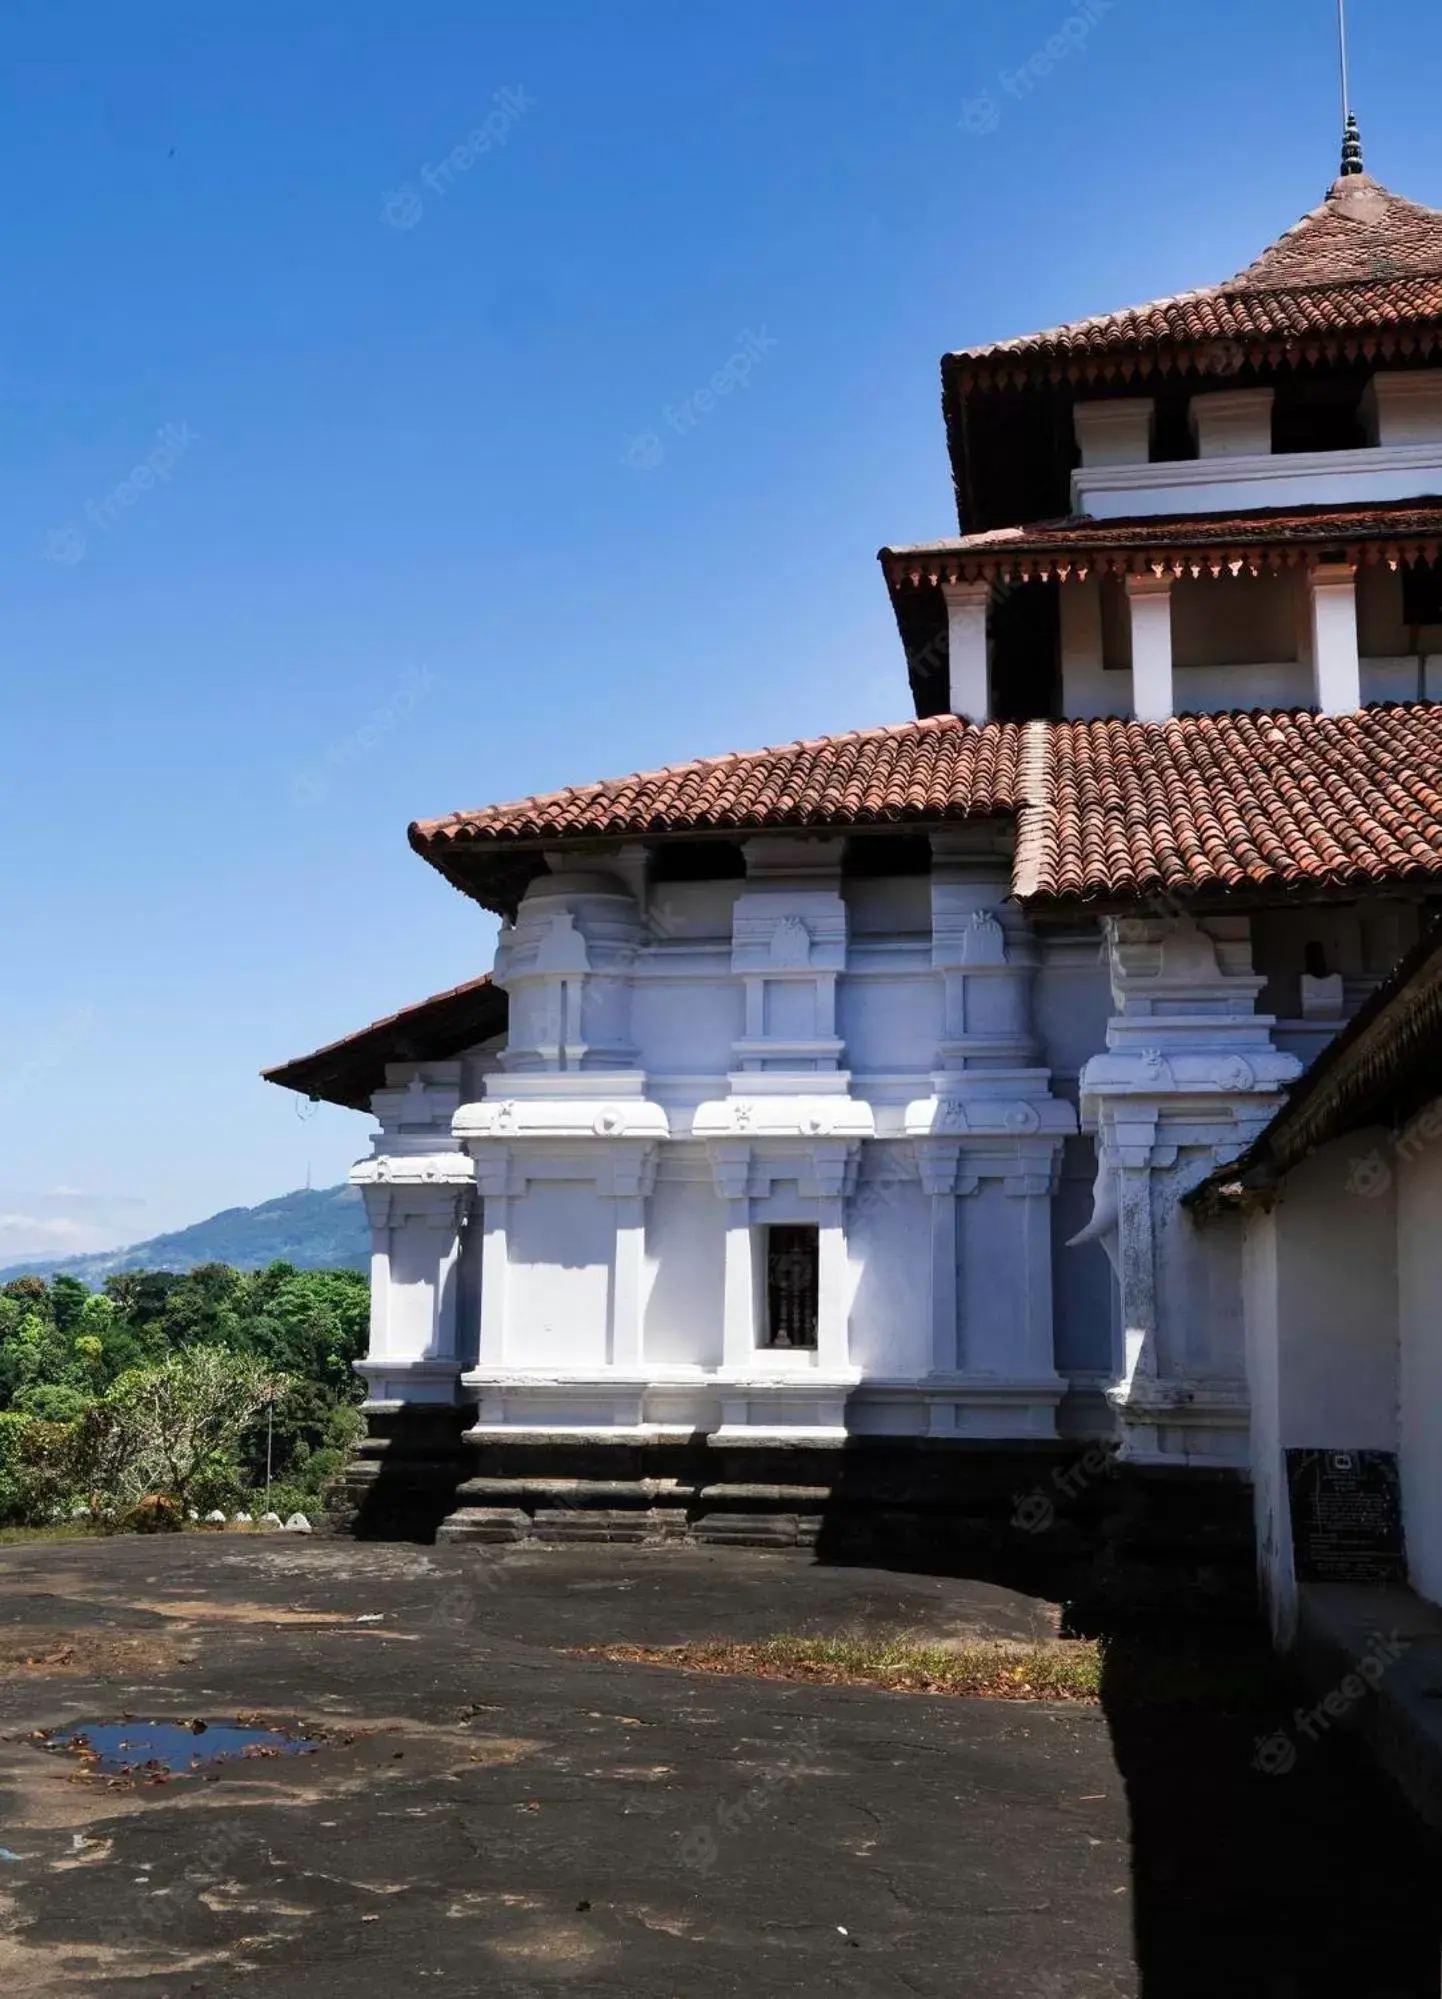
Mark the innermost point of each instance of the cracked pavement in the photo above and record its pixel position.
(490, 1813)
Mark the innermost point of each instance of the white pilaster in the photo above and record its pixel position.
(633, 1180)
(1149, 599)
(731, 1166)
(1033, 1349)
(1233, 423)
(832, 1343)
(970, 679)
(378, 1213)
(495, 1256)
(937, 1163)
(1336, 668)
(1115, 431)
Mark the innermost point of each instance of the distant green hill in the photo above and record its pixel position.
(321, 1228)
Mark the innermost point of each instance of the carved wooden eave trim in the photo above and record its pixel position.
(1041, 566)
(1216, 357)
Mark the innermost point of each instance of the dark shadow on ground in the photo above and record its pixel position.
(1265, 1865)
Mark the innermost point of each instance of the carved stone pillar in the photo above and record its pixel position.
(1189, 1077)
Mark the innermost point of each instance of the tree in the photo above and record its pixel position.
(173, 1428)
(68, 1299)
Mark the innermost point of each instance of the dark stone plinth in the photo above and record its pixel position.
(1116, 1542)
(403, 1481)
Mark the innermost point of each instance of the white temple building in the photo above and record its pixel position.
(833, 1106)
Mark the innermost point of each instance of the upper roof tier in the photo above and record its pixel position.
(1365, 261)
(1355, 286)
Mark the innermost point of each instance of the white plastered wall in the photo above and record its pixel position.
(1418, 1160)
(1321, 1311)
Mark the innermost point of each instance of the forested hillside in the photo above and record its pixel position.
(153, 1396)
(320, 1228)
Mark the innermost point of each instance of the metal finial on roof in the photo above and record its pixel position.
(1351, 131)
(1352, 147)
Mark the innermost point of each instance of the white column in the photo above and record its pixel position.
(1336, 668)
(1150, 601)
(731, 1168)
(1137, 1274)
(938, 1179)
(832, 1342)
(632, 1181)
(626, 1290)
(738, 1329)
(493, 1177)
(1033, 1189)
(444, 1223)
(966, 634)
(378, 1214)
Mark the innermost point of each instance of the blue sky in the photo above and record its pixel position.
(404, 542)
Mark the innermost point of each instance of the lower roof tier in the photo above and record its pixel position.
(1104, 811)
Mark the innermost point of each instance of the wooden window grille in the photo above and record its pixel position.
(793, 1285)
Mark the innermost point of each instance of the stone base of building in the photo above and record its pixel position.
(1066, 1519)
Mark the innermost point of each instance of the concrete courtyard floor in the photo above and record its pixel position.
(491, 1815)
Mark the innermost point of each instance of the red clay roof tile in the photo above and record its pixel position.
(939, 769)
(1109, 809)
(1239, 801)
(1366, 259)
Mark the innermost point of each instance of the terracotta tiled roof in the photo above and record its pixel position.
(1110, 810)
(349, 1071)
(1366, 259)
(1373, 530)
(939, 769)
(1254, 801)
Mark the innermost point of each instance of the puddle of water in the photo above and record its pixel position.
(170, 1748)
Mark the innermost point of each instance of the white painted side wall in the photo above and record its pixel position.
(1241, 485)
(575, 1222)
(1419, 1284)
(1270, 1509)
(1321, 1301)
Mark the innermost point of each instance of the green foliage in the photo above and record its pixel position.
(173, 1428)
(166, 1385)
(37, 1467)
(52, 1402)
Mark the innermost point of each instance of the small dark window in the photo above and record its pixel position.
(886, 854)
(793, 1286)
(1172, 438)
(1318, 416)
(1422, 594)
(698, 861)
